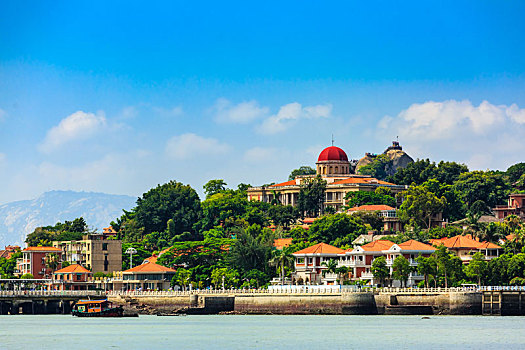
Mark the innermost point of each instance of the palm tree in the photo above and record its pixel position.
(341, 271)
(275, 199)
(331, 266)
(52, 261)
(282, 258)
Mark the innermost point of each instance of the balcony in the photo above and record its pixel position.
(367, 275)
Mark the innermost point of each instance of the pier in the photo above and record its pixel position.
(42, 302)
(503, 301)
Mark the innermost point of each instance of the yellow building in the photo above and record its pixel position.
(93, 252)
(335, 168)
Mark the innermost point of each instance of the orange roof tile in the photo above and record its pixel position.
(459, 242)
(379, 245)
(361, 180)
(415, 245)
(372, 207)
(287, 183)
(42, 249)
(489, 245)
(320, 248)
(75, 268)
(150, 267)
(154, 257)
(282, 242)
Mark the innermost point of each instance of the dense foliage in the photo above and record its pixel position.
(67, 231)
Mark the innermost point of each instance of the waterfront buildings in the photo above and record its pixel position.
(93, 252)
(311, 263)
(145, 276)
(72, 277)
(465, 247)
(36, 261)
(335, 168)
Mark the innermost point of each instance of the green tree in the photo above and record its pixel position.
(380, 270)
(423, 170)
(224, 278)
(477, 267)
(252, 249)
(371, 218)
(342, 271)
(336, 229)
(515, 172)
(312, 196)
(331, 266)
(27, 276)
(283, 215)
(516, 267)
(281, 259)
(420, 205)
(401, 270)
(172, 200)
(426, 266)
(182, 278)
(488, 187)
(52, 260)
(358, 198)
(214, 186)
(304, 170)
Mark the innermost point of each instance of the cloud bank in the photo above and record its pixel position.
(483, 136)
(188, 145)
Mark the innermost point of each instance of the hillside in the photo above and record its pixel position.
(17, 219)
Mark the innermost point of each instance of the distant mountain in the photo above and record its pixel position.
(17, 219)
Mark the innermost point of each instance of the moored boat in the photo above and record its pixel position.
(96, 308)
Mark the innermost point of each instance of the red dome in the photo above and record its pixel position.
(332, 153)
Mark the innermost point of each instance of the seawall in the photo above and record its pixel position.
(365, 303)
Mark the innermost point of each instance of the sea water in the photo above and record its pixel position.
(262, 332)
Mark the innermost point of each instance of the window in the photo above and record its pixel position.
(104, 246)
(310, 260)
(300, 260)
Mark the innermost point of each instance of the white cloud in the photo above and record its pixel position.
(482, 136)
(241, 113)
(290, 113)
(176, 111)
(188, 145)
(77, 126)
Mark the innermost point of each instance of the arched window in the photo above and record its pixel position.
(336, 170)
(330, 170)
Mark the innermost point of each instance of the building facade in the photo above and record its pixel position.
(93, 252)
(335, 168)
(72, 277)
(515, 206)
(465, 247)
(35, 261)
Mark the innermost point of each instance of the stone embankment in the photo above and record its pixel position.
(354, 303)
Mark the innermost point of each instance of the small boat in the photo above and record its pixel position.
(96, 308)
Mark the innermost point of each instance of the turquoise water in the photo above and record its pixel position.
(262, 332)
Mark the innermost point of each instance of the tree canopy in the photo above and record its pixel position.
(304, 170)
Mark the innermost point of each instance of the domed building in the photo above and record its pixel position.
(333, 161)
(336, 169)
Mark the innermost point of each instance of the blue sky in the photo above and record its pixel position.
(120, 97)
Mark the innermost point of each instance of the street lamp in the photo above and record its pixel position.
(131, 251)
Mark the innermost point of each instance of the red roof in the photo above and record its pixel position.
(287, 183)
(280, 243)
(150, 267)
(377, 246)
(320, 248)
(42, 249)
(374, 207)
(415, 245)
(463, 242)
(332, 153)
(76, 268)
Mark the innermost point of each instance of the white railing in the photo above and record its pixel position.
(44, 293)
